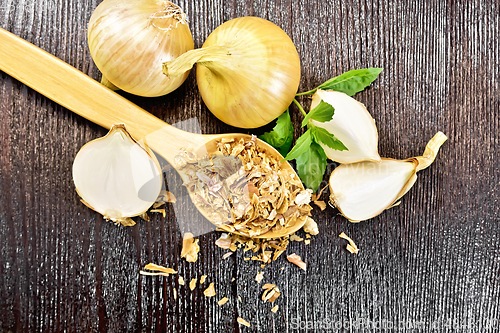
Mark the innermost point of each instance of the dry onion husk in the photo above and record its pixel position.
(363, 190)
(248, 71)
(116, 176)
(129, 41)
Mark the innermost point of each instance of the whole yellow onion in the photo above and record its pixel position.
(130, 39)
(248, 71)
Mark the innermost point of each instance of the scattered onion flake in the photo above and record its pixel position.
(259, 277)
(154, 267)
(161, 211)
(210, 291)
(311, 227)
(190, 248)
(243, 321)
(157, 204)
(153, 273)
(315, 199)
(274, 309)
(320, 203)
(222, 301)
(295, 238)
(351, 247)
(224, 241)
(270, 249)
(181, 280)
(159, 270)
(271, 293)
(202, 279)
(227, 255)
(295, 259)
(166, 196)
(192, 284)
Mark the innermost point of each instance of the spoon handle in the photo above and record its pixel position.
(79, 93)
(86, 97)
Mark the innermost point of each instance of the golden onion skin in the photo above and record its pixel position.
(129, 40)
(260, 77)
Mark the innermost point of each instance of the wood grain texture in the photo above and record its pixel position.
(434, 260)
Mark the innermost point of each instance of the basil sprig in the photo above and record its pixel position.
(322, 112)
(350, 82)
(309, 155)
(281, 137)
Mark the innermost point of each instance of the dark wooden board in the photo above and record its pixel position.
(431, 264)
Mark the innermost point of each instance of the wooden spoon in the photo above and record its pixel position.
(86, 97)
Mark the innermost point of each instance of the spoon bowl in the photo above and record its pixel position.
(211, 146)
(86, 97)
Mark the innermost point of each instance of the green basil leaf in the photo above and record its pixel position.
(353, 81)
(281, 137)
(311, 166)
(322, 112)
(301, 146)
(327, 138)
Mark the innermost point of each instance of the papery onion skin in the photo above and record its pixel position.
(129, 40)
(248, 71)
(116, 176)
